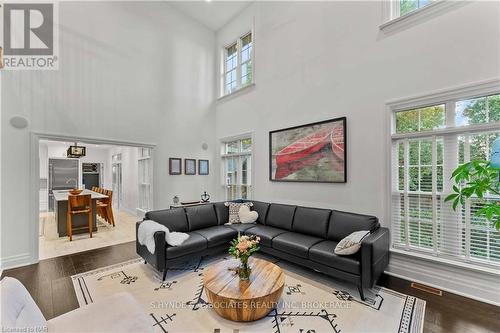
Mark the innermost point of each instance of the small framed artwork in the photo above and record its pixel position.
(189, 166)
(175, 166)
(203, 167)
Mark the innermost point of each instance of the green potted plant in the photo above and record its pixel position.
(477, 178)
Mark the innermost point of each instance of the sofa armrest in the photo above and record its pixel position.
(374, 256)
(157, 259)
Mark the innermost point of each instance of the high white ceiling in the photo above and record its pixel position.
(212, 14)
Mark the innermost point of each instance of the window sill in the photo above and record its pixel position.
(236, 92)
(428, 257)
(419, 15)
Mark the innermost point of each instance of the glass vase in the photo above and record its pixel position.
(244, 270)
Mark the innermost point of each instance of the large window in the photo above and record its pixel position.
(237, 168)
(237, 65)
(428, 143)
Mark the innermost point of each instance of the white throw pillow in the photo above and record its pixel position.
(351, 244)
(234, 209)
(246, 215)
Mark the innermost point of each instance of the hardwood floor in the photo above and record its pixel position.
(49, 282)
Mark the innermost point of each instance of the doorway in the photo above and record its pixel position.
(109, 166)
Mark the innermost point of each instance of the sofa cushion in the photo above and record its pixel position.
(261, 208)
(295, 243)
(201, 216)
(174, 219)
(323, 253)
(266, 233)
(217, 235)
(222, 213)
(343, 224)
(241, 227)
(280, 216)
(193, 244)
(311, 221)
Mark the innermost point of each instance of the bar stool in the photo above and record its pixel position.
(78, 204)
(109, 193)
(105, 207)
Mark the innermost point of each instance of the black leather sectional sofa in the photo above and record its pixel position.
(302, 235)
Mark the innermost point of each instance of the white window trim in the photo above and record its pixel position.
(393, 22)
(449, 95)
(224, 140)
(222, 73)
(142, 211)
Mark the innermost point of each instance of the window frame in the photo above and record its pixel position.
(449, 98)
(392, 21)
(145, 164)
(239, 63)
(223, 157)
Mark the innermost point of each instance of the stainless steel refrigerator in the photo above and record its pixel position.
(63, 175)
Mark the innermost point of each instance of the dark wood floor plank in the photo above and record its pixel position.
(63, 296)
(49, 283)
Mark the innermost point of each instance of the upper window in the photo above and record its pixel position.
(237, 65)
(421, 119)
(478, 110)
(408, 6)
(403, 13)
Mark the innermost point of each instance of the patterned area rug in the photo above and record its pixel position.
(311, 302)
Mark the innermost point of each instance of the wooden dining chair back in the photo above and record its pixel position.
(79, 204)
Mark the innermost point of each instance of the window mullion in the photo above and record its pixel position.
(238, 67)
(434, 195)
(467, 206)
(406, 197)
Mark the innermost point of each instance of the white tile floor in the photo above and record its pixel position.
(50, 245)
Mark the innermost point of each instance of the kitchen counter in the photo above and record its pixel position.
(62, 195)
(80, 221)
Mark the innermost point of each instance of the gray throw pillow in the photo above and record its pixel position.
(351, 243)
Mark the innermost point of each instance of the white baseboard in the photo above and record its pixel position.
(17, 260)
(480, 286)
(131, 211)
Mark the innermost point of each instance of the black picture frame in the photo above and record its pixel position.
(189, 166)
(175, 169)
(201, 168)
(342, 120)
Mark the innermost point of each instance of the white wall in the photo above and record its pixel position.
(322, 60)
(139, 72)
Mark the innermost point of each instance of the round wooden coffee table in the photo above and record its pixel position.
(239, 300)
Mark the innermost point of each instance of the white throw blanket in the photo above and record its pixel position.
(146, 232)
